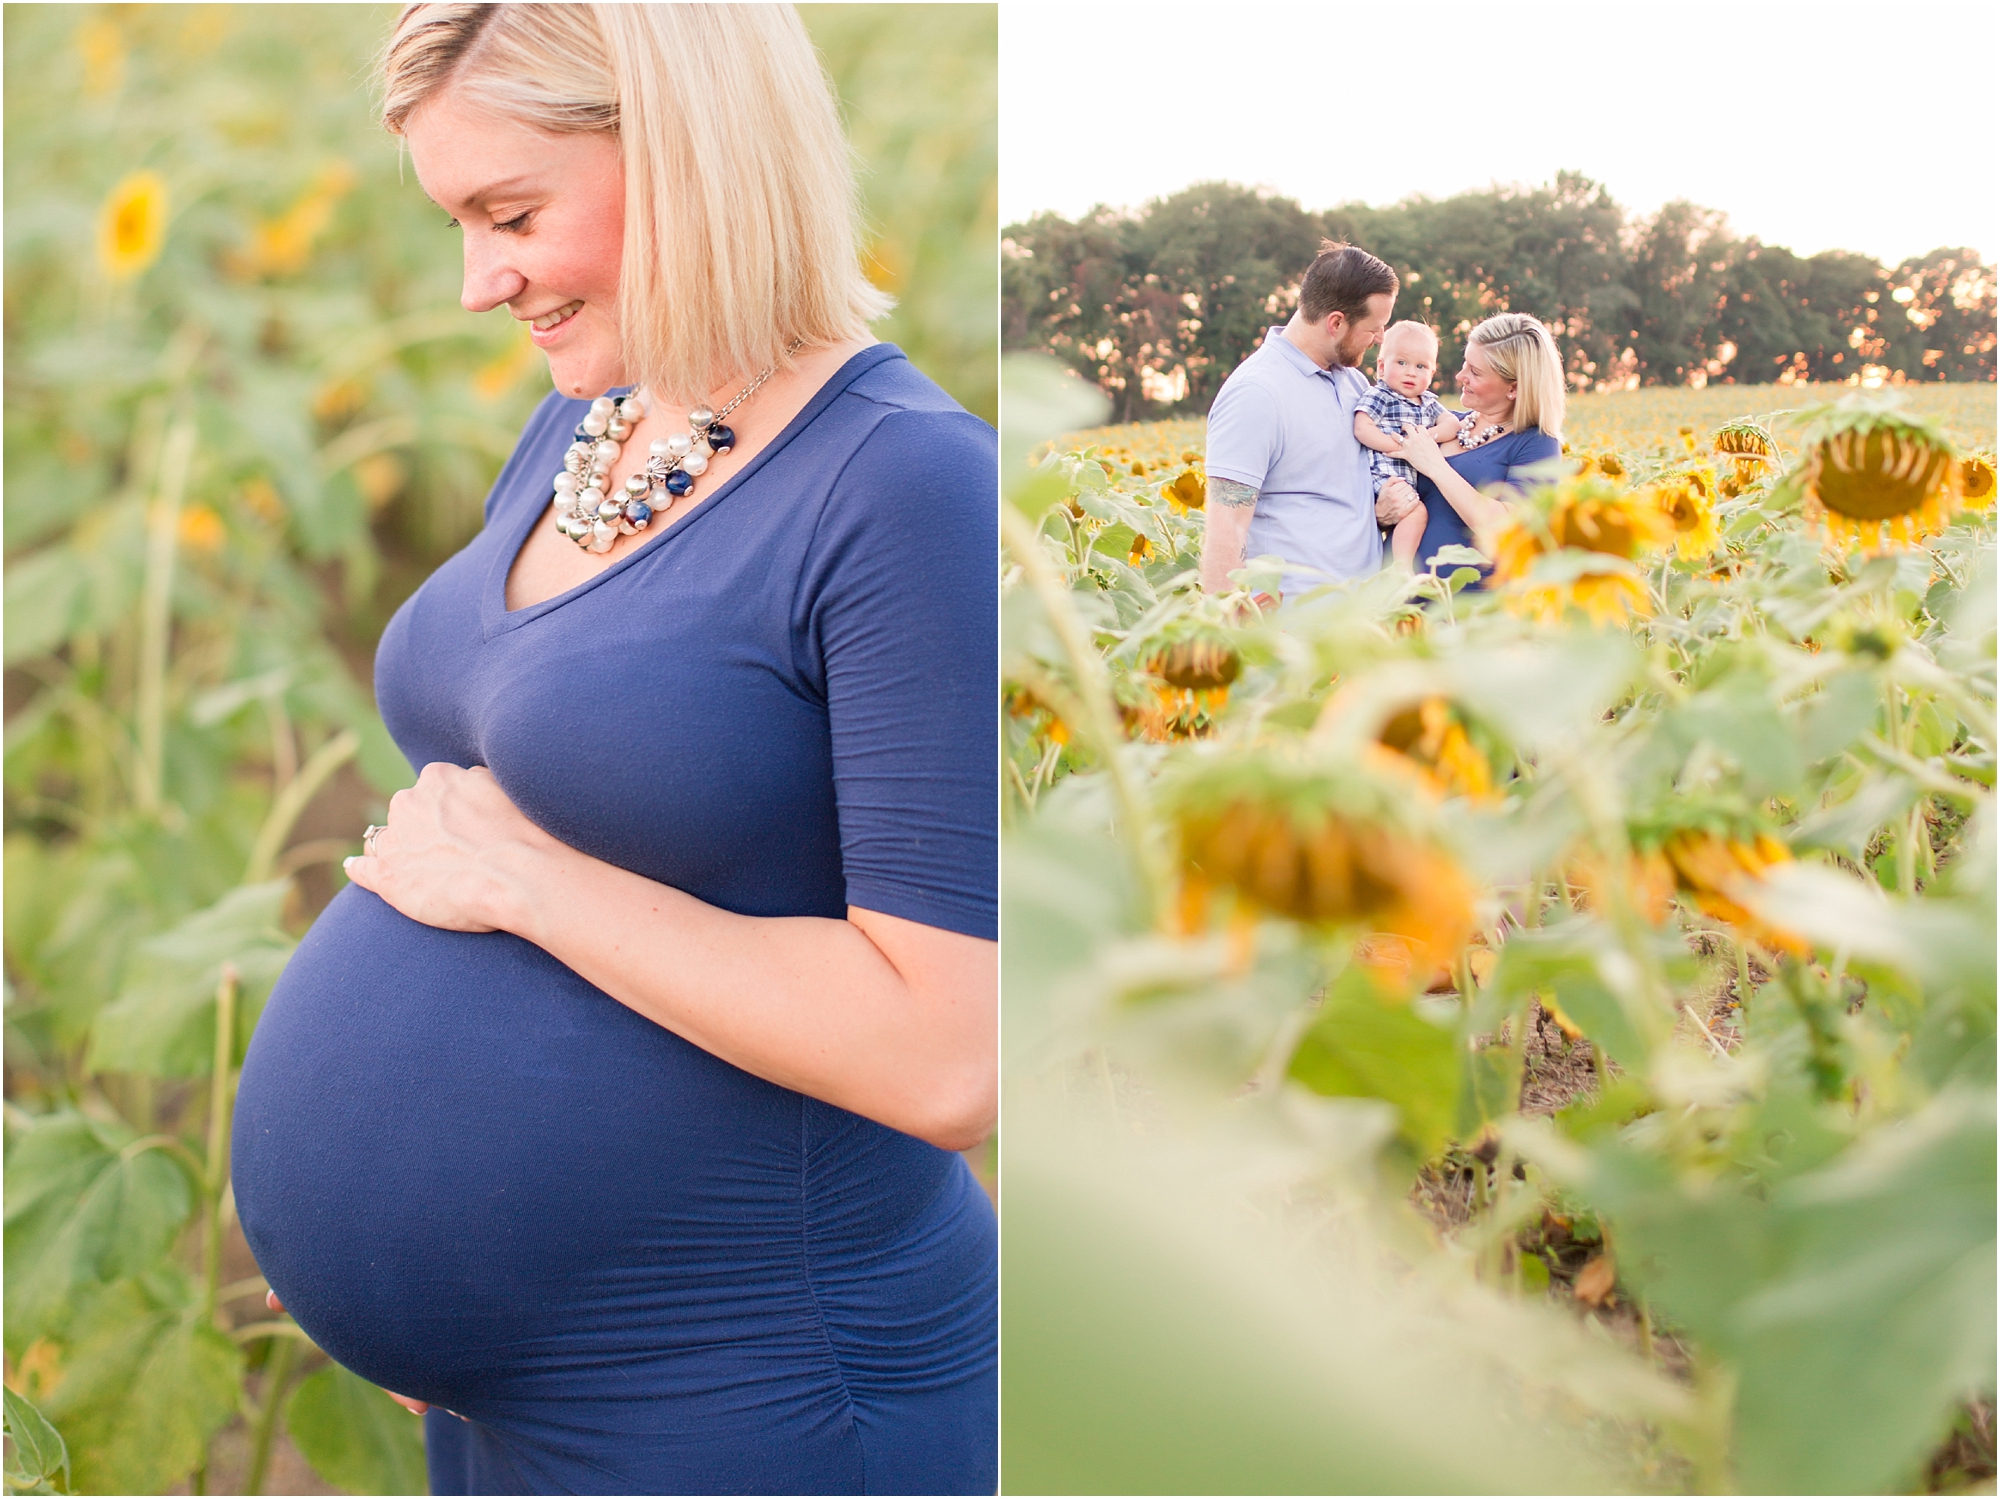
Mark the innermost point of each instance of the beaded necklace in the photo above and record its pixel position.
(1484, 435)
(593, 519)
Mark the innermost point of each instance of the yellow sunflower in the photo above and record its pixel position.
(1583, 515)
(132, 225)
(1975, 481)
(1684, 499)
(1188, 490)
(1877, 478)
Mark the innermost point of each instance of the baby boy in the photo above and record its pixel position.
(1400, 400)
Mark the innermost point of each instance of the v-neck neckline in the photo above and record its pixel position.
(497, 618)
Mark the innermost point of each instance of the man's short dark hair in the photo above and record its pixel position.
(1341, 279)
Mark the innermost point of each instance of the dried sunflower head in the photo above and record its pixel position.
(1876, 477)
(1201, 661)
(1746, 440)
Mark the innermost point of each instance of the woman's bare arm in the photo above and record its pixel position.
(892, 1019)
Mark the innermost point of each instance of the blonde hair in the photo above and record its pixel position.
(1523, 352)
(742, 223)
(1408, 328)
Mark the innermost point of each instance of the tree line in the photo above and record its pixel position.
(1158, 306)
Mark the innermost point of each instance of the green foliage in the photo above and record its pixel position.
(148, 1381)
(245, 416)
(355, 1436)
(1159, 305)
(1734, 836)
(39, 1463)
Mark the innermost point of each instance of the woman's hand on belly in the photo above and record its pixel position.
(886, 1017)
(443, 857)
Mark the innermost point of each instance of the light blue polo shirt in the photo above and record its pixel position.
(1285, 427)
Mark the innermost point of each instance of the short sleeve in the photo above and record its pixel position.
(1531, 448)
(899, 606)
(1242, 433)
(1380, 403)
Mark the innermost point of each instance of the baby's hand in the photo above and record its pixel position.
(1447, 429)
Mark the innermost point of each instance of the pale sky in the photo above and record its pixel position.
(1814, 126)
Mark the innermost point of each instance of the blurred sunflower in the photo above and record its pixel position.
(1021, 702)
(1587, 515)
(1201, 660)
(1715, 868)
(281, 246)
(1876, 477)
(1607, 463)
(1182, 686)
(1329, 846)
(1685, 500)
(1432, 736)
(132, 225)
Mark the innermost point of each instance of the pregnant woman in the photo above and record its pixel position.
(612, 1109)
(1512, 383)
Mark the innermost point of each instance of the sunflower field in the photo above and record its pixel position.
(245, 417)
(1529, 1029)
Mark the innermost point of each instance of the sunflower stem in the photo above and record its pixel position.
(1099, 720)
(163, 522)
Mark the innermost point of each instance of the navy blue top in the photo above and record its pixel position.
(478, 1180)
(1500, 461)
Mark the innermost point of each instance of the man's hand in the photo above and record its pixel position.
(1226, 531)
(1396, 500)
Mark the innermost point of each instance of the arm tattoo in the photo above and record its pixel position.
(1229, 492)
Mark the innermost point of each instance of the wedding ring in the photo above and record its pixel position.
(368, 839)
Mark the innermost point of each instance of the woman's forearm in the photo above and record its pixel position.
(891, 1019)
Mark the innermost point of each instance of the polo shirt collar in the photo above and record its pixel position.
(1300, 360)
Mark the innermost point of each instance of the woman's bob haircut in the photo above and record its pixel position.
(742, 225)
(1523, 352)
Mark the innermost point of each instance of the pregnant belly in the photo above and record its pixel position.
(478, 1180)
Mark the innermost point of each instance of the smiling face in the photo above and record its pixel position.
(1485, 390)
(1407, 363)
(543, 220)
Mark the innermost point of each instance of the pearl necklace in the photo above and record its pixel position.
(1483, 435)
(593, 519)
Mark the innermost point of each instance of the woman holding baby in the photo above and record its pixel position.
(1514, 393)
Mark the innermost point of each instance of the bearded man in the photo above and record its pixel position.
(1286, 476)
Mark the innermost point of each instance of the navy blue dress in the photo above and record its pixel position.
(1500, 461)
(477, 1180)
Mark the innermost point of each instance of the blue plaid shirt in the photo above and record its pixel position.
(1396, 413)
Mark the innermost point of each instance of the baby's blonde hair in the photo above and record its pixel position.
(1410, 327)
(742, 224)
(1523, 352)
